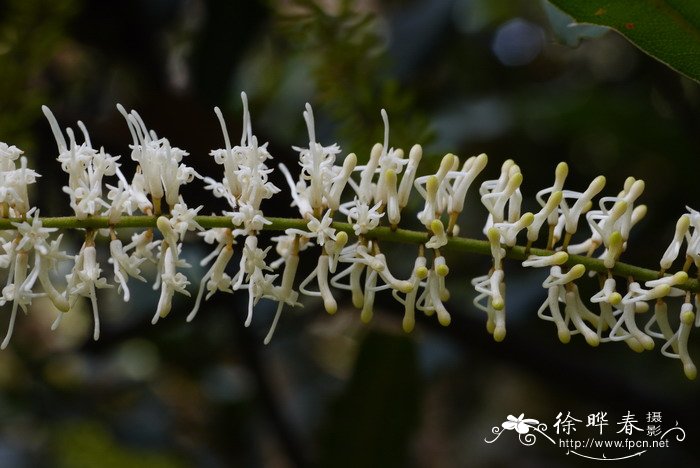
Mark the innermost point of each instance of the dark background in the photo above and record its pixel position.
(508, 78)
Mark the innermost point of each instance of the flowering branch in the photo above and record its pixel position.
(580, 239)
(381, 233)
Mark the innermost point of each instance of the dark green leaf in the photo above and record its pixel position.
(668, 30)
(567, 30)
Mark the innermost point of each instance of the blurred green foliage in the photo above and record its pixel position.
(31, 34)
(86, 445)
(351, 73)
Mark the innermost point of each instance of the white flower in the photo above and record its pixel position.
(439, 237)
(496, 194)
(497, 252)
(430, 209)
(431, 300)
(462, 180)
(285, 293)
(361, 216)
(582, 202)
(13, 184)
(122, 201)
(85, 278)
(693, 238)
(31, 238)
(556, 286)
(491, 288)
(558, 258)
(125, 265)
(320, 230)
(509, 230)
(339, 182)
(607, 294)
(86, 167)
(18, 289)
(215, 279)
(171, 281)
(324, 291)
(578, 313)
(245, 182)
(251, 275)
(674, 248)
(317, 166)
(249, 217)
(183, 219)
(419, 273)
(8, 156)
(365, 190)
(298, 191)
(49, 261)
(162, 173)
(33, 235)
(680, 341)
(321, 182)
(143, 245)
(555, 295)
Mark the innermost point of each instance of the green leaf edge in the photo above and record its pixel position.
(574, 7)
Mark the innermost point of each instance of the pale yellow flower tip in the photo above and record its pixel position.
(562, 171)
(444, 319)
(163, 224)
(577, 271)
(499, 334)
(516, 180)
(527, 219)
(390, 177)
(431, 184)
(598, 183)
(564, 336)
(447, 162)
(592, 340)
(422, 272)
(330, 305)
(494, 235)
(408, 324)
(366, 315)
(436, 226)
(662, 290)
(634, 344)
(341, 239)
(679, 277)
(615, 298)
(690, 370)
(560, 258)
(688, 317)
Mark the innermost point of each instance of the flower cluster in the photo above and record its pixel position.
(581, 236)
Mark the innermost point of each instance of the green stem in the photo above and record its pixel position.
(457, 244)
